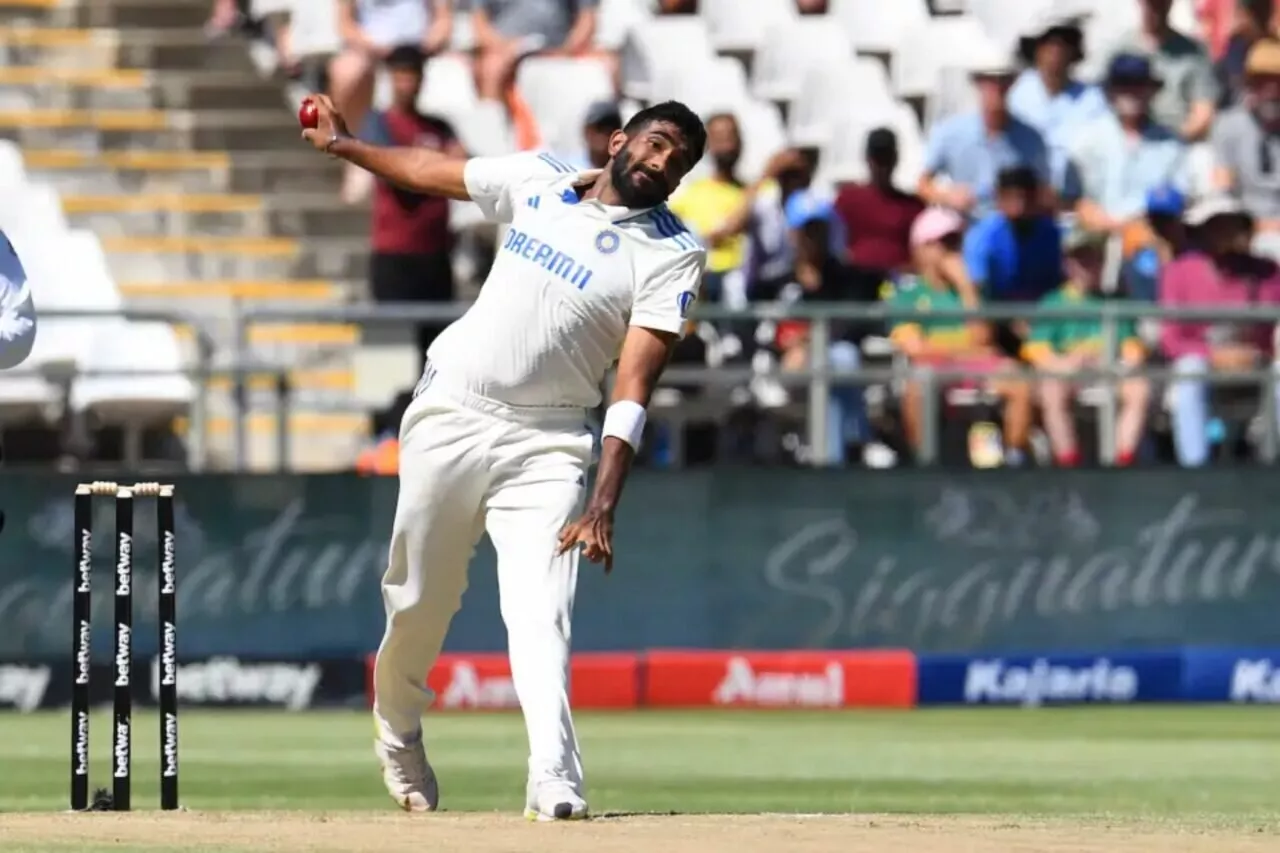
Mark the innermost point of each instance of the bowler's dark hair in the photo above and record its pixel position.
(679, 116)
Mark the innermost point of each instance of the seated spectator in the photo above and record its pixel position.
(1188, 91)
(1246, 140)
(707, 204)
(1063, 347)
(602, 120)
(1118, 158)
(824, 278)
(506, 31)
(877, 218)
(1046, 96)
(1164, 238)
(411, 238)
(968, 150)
(1014, 254)
(947, 342)
(371, 30)
(1218, 271)
(1252, 20)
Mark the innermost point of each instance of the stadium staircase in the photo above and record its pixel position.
(186, 163)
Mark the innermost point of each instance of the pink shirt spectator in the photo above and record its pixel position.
(1193, 280)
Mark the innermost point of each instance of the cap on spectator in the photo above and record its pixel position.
(1263, 59)
(1053, 24)
(991, 61)
(805, 206)
(603, 114)
(934, 224)
(1131, 69)
(881, 143)
(408, 56)
(1213, 207)
(1165, 200)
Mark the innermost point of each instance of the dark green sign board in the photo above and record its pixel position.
(935, 561)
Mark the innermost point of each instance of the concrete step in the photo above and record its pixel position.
(141, 13)
(152, 130)
(278, 214)
(199, 292)
(157, 259)
(148, 49)
(134, 89)
(196, 172)
(320, 441)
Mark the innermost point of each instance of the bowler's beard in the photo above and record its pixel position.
(622, 174)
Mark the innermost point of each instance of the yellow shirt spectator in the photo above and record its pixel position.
(704, 206)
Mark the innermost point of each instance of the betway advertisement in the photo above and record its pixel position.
(1032, 680)
(219, 682)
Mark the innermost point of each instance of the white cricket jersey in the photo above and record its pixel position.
(567, 281)
(17, 311)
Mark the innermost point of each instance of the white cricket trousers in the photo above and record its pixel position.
(469, 465)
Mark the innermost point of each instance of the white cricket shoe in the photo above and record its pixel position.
(554, 799)
(408, 776)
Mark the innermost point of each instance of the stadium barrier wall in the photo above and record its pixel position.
(701, 679)
(286, 567)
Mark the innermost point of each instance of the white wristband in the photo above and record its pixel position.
(625, 420)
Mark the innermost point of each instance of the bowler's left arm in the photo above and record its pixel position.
(658, 320)
(17, 309)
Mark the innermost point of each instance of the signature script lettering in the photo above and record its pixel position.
(964, 580)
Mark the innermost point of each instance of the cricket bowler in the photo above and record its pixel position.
(594, 269)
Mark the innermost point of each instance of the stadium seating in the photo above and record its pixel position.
(819, 80)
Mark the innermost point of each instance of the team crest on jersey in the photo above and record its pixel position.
(607, 242)
(684, 302)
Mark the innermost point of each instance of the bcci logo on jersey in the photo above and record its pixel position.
(607, 242)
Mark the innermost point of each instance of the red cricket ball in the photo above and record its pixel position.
(308, 115)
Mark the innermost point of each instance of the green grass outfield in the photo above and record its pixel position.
(1220, 765)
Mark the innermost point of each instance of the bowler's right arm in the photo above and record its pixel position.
(485, 180)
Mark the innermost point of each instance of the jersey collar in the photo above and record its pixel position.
(568, 193)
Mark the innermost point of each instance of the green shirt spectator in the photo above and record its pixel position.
(922, 296)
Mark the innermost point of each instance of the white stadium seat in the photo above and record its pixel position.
(832, 91)
(615, 20)
(876, 26)
(558, 92)
(450, 87)
(313, 28)
(743, 25)
(661, 48)
(144, 348)
(940, 44)
(785, 59)
(13, 171)
(719, 86)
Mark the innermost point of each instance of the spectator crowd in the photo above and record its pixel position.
(1157, 182)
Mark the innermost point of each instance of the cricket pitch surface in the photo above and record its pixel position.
(295, 832)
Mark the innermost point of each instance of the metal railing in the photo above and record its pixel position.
(818, 377)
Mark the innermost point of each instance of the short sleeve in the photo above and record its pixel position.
(1223, 139)
(935, 150)
(492, 182)
(666, 296)
(1204, 83)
